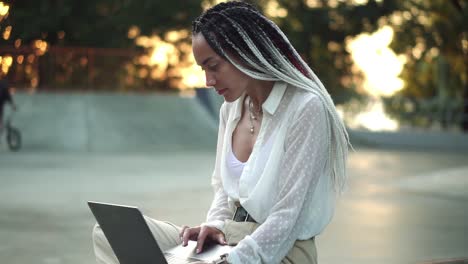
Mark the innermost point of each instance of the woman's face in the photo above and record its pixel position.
(219, 73)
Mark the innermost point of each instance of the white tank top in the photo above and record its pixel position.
(236, 167)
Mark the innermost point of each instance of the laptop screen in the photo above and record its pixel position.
(128, 234)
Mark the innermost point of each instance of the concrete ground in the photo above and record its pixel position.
(156, 152)
(401, 206)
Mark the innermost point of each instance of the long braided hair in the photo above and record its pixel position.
(255, 45)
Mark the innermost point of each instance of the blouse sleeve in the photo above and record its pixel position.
(304, 160)
(219, 210)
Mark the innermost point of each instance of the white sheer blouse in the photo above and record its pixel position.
(287, 186)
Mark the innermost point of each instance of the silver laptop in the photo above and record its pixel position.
(133, 243)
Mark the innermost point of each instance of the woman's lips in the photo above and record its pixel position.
(221, 91)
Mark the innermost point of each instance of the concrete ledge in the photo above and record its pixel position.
(452, 182)
(448, 261)
(412, 140)
(148, 122)
(113, 122)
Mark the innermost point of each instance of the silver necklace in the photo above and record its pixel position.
(252, 116)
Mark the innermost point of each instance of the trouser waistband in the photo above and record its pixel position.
(241, 215)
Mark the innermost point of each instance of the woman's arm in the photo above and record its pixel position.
(219, 209)
(305, 157)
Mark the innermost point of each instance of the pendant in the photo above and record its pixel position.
(251, 130)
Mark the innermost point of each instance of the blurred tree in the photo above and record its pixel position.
(96, 23)
(434, 37)
(319, 29)
(101, 24)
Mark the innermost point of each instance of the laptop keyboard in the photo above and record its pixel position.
(172, 259)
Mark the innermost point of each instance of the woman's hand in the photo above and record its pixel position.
(201, 234)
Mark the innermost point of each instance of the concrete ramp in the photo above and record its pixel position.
(113, 122)
(422, 140)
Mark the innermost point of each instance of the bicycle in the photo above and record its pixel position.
(13, 135)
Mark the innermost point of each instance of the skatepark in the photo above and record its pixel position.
(406, 203)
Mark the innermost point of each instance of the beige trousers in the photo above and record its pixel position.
(167, 235)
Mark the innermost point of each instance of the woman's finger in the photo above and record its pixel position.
(221, 238)
(201, 239)
(181, 234)
(186, 236)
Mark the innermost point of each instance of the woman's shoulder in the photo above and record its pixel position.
(226, 109)
(305, 100)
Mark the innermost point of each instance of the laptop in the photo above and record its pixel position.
(133, 243)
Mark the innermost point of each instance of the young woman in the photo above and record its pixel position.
(281, 149)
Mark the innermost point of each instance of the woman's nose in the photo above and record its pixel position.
(210, 79)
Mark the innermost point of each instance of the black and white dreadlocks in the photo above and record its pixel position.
(255, 45)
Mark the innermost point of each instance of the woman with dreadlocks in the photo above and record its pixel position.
(281, 149)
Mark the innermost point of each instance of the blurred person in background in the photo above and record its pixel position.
(281, 152)
(5, 97)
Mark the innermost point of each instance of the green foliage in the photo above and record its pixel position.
(319, 33)
(97, 23)
(431, 34)
(101, 24)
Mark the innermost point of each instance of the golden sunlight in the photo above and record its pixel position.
(6, 63)
(3, 9)
(171, 57)
(40, 46)
(176, 35)
(381, 66)
(192, 75)
(273, 9)
(133, 32)
(207, 3)
(163, 55)
(7, 32)
(374, 118)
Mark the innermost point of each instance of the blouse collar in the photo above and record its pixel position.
(274, 98)
(271, 103)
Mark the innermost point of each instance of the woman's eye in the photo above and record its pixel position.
(213, 67)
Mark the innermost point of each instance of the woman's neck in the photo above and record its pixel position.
(259, 92)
